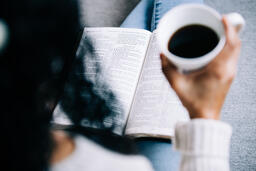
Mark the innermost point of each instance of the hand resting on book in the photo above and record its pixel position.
(203, 92)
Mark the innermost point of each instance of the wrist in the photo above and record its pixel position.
(205, 114)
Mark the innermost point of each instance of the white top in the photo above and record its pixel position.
(89, 156)
(204, 145)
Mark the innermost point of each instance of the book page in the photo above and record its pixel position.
(120, 52)
(156, 107)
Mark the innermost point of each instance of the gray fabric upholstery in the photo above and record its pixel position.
(240, 107)
(105, 13)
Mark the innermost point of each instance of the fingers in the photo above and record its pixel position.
(224, 65)
(170, 71)
(232, 43)
(232, 39)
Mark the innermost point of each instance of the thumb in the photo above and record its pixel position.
(170, 72)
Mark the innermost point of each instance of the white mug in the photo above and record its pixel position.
(188, 14)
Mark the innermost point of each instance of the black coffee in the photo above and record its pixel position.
(193, 41)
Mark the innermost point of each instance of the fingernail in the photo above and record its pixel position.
(162, 56)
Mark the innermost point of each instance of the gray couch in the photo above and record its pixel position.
(240, 107)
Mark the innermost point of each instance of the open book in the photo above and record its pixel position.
(131, 65)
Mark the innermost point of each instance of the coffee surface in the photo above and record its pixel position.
(193, 41)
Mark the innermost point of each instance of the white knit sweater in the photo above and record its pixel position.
(204, 145)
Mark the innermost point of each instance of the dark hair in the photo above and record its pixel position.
(41, 42)
(90, 103)
(33, 69)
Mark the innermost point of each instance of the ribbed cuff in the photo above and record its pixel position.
(203, 137)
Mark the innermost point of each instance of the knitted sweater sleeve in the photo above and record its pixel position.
(204, 145)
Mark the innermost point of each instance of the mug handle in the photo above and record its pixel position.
(236, 20)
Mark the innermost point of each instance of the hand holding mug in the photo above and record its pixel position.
(192, 35)
(203, 91)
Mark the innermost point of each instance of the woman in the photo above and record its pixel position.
(36, 58)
